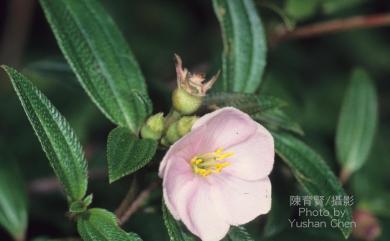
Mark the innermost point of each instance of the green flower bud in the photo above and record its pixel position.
(172, 134)
(184, 102)
(153, 127)
(185, 124)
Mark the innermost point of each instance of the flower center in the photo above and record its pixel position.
(211, 162)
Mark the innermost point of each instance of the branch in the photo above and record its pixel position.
(51, 184)
(339, 25)
(126, 202)
(138, 202)
(344, 176)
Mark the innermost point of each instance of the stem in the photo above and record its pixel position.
(138, 202)
(51, 184)
(22, 237)
(128, 199)
(332, 26)
(344, 176)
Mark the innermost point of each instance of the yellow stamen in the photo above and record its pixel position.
(210, 163)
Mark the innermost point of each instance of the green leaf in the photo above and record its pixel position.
(277, 119)
(357, 122)
(60, 239)
(244, 53)
(101, 59)
(101, 225)
(238, 234)
(175, 230)
(335, 6)
(301, 9)
(13, 200)
(249, 103)
(58, 140)
(313, 174)
(126, 153)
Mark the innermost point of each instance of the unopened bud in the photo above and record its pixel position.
(367, 225)
(153, 127)
(172, 134)
(185, 124)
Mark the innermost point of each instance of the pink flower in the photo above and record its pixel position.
(217, 175)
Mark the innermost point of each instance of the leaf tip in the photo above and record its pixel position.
(112, 178)
(5, 67)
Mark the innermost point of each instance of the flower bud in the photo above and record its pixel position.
(367, 225)
(172, 134)
(185, 124)
(153, 127)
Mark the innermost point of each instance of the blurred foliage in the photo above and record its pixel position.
(310, 74)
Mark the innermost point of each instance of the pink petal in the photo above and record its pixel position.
(207, 223)
(224, 128)
(239, 201)
(177, 175)
(207, 117)
(170, 206)
(237, 195)
(183, 200)
(254, 158)
(185, 148)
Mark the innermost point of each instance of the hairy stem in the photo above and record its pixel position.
(51, 184)
(344, 176)
(333, 26)
(126, 202)
(138, 202)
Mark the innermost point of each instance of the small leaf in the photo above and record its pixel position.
(238, 234)
(101, 225)
(13, 200)
(58, 140)
(357, 122)
(80, 206)
(175, 230)
(101, 59)
(244, 43)
(277, 119)
(126, 153)
(313, 174)
(248, 103)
